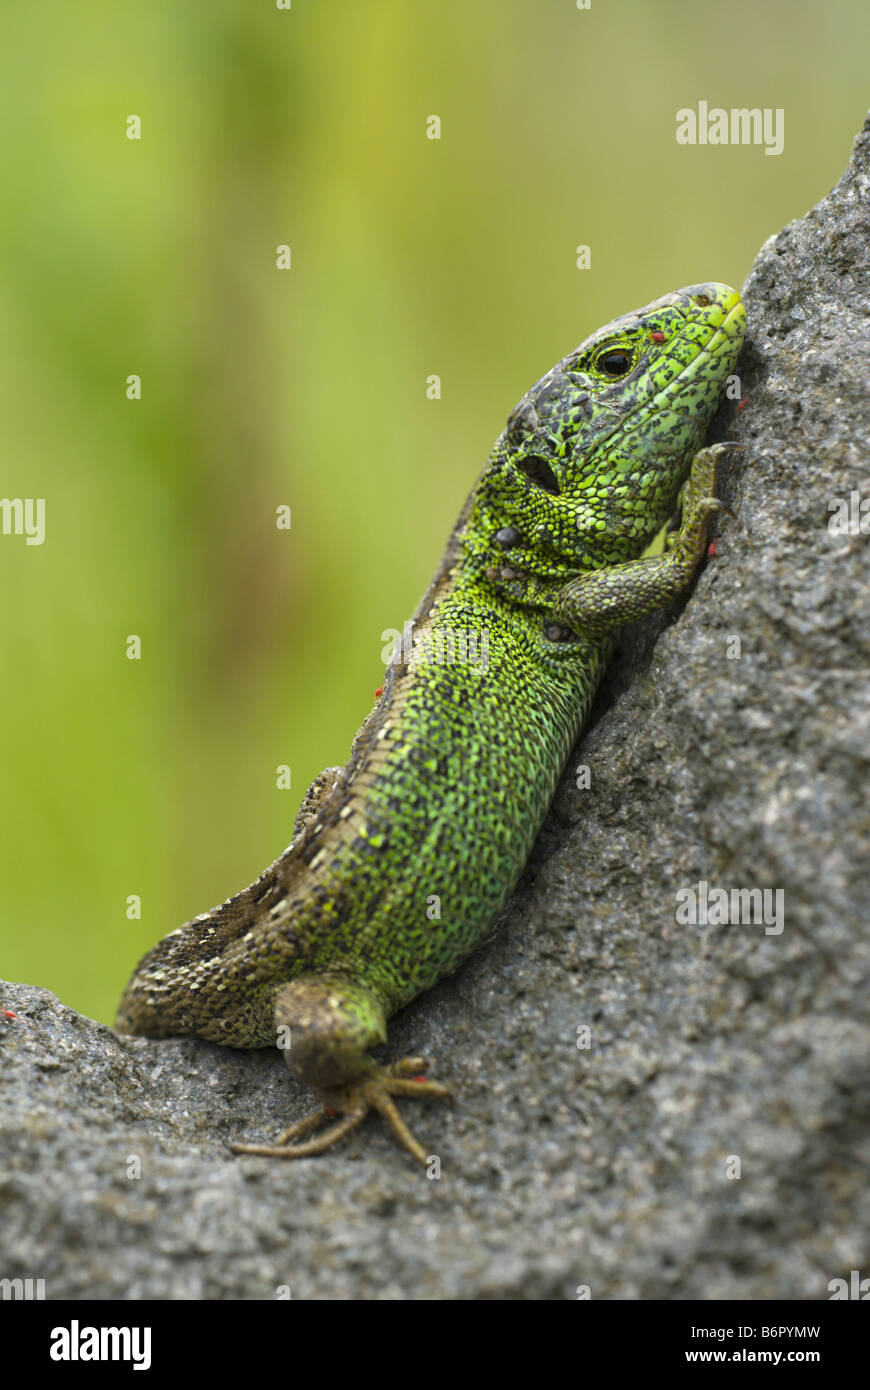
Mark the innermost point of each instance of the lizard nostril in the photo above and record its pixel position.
(703, 300)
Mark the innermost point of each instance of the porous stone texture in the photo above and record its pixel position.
(711, 1141)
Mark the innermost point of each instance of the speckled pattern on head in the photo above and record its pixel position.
(403, 859)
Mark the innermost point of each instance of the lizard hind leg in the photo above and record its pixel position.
(333, 1020)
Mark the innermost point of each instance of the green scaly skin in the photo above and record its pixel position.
(402, 860)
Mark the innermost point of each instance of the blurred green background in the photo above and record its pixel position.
(307, 386)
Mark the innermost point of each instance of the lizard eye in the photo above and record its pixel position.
(615, 362)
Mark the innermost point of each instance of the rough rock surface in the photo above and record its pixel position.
(729, 745)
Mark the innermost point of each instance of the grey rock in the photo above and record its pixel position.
(729, 745)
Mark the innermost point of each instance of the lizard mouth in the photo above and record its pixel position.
(726, 337)
(732, 325)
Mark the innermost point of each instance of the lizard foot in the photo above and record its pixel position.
(372, 1091)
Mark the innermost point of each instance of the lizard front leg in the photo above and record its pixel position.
(333, 1020)
(605, 599)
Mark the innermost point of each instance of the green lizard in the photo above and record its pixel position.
(402, 860)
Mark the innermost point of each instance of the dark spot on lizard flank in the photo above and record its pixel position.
(539, 472)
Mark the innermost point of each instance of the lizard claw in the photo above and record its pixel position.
(353, 1101)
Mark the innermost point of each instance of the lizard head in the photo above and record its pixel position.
(591, 461)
